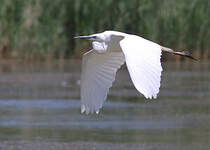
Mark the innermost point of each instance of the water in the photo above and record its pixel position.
(40, 109)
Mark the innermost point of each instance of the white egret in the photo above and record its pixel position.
(110, 50)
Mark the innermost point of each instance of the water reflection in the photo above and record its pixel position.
(40, 106)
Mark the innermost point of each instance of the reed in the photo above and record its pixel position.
(44, 28)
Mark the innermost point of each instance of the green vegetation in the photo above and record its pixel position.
(44, 28)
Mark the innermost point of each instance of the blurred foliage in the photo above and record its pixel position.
(45, 28)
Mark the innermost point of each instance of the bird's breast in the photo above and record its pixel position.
(100, 47)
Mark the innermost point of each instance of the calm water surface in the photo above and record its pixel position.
(40, 109)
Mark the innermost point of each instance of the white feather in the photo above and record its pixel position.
(98, 73)
(143, 62)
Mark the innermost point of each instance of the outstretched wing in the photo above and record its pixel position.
(98, 73)
(143, 61)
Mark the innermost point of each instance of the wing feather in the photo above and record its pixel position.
(143, 62)
(98, 73)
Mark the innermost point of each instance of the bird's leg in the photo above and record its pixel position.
(183, 53)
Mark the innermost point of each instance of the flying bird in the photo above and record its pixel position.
(111, 49)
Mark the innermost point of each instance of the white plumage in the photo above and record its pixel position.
(98, 73)
(143, 62)
(110, 50)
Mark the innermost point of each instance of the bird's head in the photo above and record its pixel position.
(99, 37)
(102, 40)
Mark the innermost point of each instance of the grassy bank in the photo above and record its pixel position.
(44, 29)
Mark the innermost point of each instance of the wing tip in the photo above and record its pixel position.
(87, 110)
(82, 108)
(151, 96)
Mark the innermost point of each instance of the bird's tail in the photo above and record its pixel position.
(183, 53)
